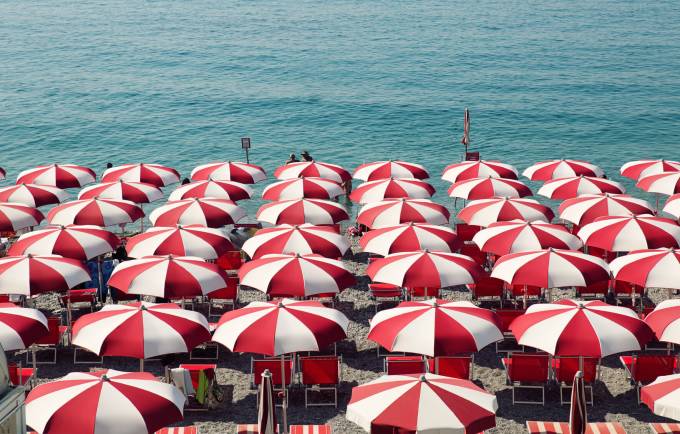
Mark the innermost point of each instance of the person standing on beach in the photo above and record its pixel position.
(292, 158)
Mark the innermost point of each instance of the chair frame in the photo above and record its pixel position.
(316, 387)
(519, 385)
(566, 386)
(49, 347)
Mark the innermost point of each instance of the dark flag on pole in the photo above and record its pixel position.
(466, 130)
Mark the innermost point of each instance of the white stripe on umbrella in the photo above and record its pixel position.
(20, 327)
(30, 275)
(391, 212)
(192, 240)
(408, 237)
(137, 192)
(390, 169)
(300, 211)
(58, 175)
(15, 216)
(547, 170)
(303, 188)
(567, 188)
(639, 169)
(485, 188)
(587, 207)
(391, 188)
(82, 242)
(229, 171)
(198, 211)
(662, 396)
(663, 183)
(33, 195)
(656, 268)
(501, 238)
(303, 239)
(478, 169)
(99, 212)
(483, 212)
(155, 174)
(216, 189)
(314, 169)
(623, 234)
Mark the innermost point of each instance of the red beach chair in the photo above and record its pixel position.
(53, 338)
(645, 368)
(19, 376)
(423, 293)
(223, 297)
(384, 292)
(230, 261)
(258, 366)
(473, 251)
(466, 232)
(535, 427)
(310, 429)
(507, 316)
(319, 373)
(404, 365)
(454, 366)
(527, 371)
(665, 428)
(564, 370)
(488, 288)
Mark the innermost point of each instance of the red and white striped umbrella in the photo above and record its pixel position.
(30, 275)
(302, 239)
(300, 211)
(295, 275)
(581, 328)
(514, 236)
(281, 327)
(137, 192)
(231, 190)
(550, 268)
(389, 169)
(207, 211)
(624, 234)
(653, 268)
(98, 212)
(587, 207)
(483, 212)
(662, 396)
(303, 188)
(547, 170)
(58, 175)
(664, 183)
(435, 328)
(408, 237)
(104, 402)
(140, 330)
(567, 188)
(20, 327)
(664, 321)
(422, 403)
(34, 195)
(168, 276)
(478, 169)
(15, 216)
(82, 242)
(192, 240)
(391, 212)
(424, 269)
(639, 169)
(315, 169)
(155, 174)
(672, 206)
(391, 188)
(244, 173)
(485, 188)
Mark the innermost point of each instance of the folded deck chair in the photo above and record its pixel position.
(665, 428)
(536, 427)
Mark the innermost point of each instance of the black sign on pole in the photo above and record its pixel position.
(245, 144)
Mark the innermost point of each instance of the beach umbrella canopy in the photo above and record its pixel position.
(478, 169)
(587, 207)
(98, 212)
(155, 174)
(293, 275)
(207, 211)
(237, 171)
(672, 206)
(547, 170)
(391, 212)
(34, 195)
(303, 188)
(390, 169)
(231, 190)
(424, 269)
(483, 212)
(137, 192)
(408, 237)
(302, 239)
(58, 175)
(32, 274)
(15, 216)
(423, 403)
(191, 240)
(140, 330)
(664, 321)
(280, 327)
(663, 183)
(655, 268)
(550, 268)
(315, 169)
(662, 396)
(623, 234)
(82, 242)
(514, 236)
(642, 168)
(168, 276)
(300, 211)
(567, 188)
(391, 188)
(20, 327)
(485, 188)
(581, 328)
(104, 402)
(435, 328)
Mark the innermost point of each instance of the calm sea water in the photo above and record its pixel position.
(180, 82)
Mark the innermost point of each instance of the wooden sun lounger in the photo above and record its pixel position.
(537, 427)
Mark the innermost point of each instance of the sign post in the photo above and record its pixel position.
(245, 144)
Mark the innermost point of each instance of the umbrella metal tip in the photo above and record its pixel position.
(105, 378)
(423, 378)
(581, 306)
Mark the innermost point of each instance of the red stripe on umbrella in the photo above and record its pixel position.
(672, 206)
(661, 396)
(20, 327)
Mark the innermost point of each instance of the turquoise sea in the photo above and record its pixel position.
(179, 82)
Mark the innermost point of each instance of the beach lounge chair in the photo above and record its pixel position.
(564, 370)
(19, 376)
(488, 288)
(601, 253)
(473, 251)
(230, 261)
(249, 428)
(535, 427)
(509, 344)
(310, 429)
(53, 338)
(454, 366)
(525, 293)
(221, 298)
(201, 377)
(179, 430)
(466, 232)
(594, 290)
(320, 373)
(258, 366)
(665, 428)
(645, 368)
(421, 293)
(528, 372)
(76, 298)
(384, 292)
(404, 365)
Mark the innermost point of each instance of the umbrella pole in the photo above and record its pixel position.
(100, 275)
(33, 358)
(526, 296)
(284, 409)
(141, 224)
(141, 365)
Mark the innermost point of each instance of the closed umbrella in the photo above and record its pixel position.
(16, 216)
(155, 174)
(266, 416)
(478, 169)
(303, 188)
(237, 171)
(316, 169)
(34, 195)
(231, 190)
(300, 211)
(303, 239)
(554, 169)
(578, 416)
(483, 212)
(567, 188)
(391, 212)
(207, 211)
(191, 240)
(390, 169)
(391, 188)
(587, 207)
(58, 175)
(408, 237)
(485, 188)
(98, 212)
